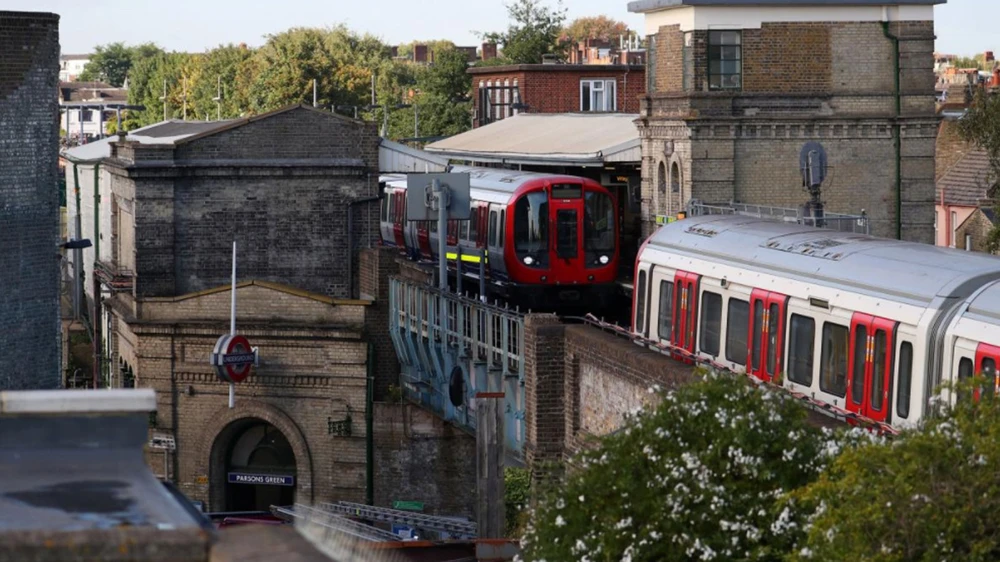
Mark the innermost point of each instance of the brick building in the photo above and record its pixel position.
(736, 89)
(293, 188)
(29, 200)
(503, 91)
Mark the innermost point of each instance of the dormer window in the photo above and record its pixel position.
(725, 60)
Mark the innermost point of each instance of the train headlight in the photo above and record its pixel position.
(604, 260)
(528, 260)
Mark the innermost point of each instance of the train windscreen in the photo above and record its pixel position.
(598, 228)
(531, 229)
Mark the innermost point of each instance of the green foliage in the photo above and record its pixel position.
(534, 30)
(981, 125)
(517, 493)
(699, 477)
(932, 494)
(601, 28)
(111, 63)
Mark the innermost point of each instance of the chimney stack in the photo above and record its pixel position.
(489, 51)
(420, 53)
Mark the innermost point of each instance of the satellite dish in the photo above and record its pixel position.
(812, 163)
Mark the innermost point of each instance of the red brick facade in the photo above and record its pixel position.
(552, 88)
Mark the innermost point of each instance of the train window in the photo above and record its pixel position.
(878, 372)
(903, 379)
(566, 233)
(988, 368)
(860, 359)
(711, 323)
(640, 303)
(758, 331)
(801, 343)
(598, 227)
(737, 324)
(385, 207)
(464, 230)
(833, 369)
(773, 316)
(666, 319)
(474, 225)
(493, 229)
(965, 368)
(531, 228)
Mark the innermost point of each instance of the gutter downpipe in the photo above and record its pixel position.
(897, 145)
(77, 254)
(370, 428)
(96, 320)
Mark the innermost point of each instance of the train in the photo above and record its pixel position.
(549, 241)
(865, 325)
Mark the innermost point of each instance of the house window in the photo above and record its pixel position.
(954, 228)
(87, 116)
(687, 55)
(598, 95)
(725, 54)
(675, 178)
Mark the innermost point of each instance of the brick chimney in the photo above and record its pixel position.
(489, 51)
(988, 56)
(420, 53)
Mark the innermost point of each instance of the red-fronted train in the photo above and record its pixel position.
(551, 241)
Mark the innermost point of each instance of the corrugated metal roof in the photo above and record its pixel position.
(556, 138)
(965, 182)
(396, 158)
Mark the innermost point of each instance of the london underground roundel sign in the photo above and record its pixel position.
(233, 357)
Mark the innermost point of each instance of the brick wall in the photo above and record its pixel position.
(280, 186)
(978, 226)
(787, 58)
(419, 457)
(376, 265)
(29, 201)
(556, 88)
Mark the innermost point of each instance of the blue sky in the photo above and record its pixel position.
(963, 26)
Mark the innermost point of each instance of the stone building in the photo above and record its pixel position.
(735, 89)
(293, 188)
(29, 200)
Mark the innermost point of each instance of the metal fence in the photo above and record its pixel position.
(855, 224)
(482, 342)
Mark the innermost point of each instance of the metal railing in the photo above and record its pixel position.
(855, 224)
(485, 341)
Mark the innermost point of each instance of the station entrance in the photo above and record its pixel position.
(259, 466)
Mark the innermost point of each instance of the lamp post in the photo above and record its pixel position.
(77, 246)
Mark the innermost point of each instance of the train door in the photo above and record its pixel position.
(423, 245)
(987, 358)
(494, 242)
(640, 299)
(767, 334)
(398, 217)
(566, 222)
(685, 314)
(870, 366)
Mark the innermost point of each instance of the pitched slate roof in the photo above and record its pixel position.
(965, 182)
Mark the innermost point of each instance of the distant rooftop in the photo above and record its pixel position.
(75, 57)
(655, 5)
(164, 132)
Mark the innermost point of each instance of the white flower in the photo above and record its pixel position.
(560, 522)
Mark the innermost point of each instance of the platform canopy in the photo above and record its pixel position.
(558, 139)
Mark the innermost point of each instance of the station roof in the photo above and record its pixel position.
(558, 139)
(891, 269)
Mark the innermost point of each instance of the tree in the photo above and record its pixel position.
(699, 477)
(110, 63)
(219, 67)
(600, 28)
(981, 126)
(533, 31)
(928, 495)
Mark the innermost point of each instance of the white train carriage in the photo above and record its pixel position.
(857, 322)
(972, 341)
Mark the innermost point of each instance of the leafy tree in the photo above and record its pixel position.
(981, 126)
(699, 477)
(219, 67)
(448, 76)
(110, 63)
(929, 495)
(601, 28)
(146, 88)
(517, 490)
(434, 46)
(534, 30)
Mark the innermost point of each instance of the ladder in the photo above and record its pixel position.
(309, 515)
(465, 529)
